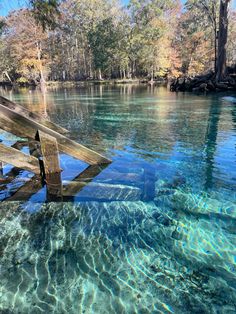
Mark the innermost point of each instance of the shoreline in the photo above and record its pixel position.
(203, 84)
(66, 84)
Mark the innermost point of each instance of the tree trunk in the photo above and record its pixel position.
(214, 23)
(222, 40)
(124, 75)
(215, 48)
(42, 78)
(152, 74)
(7, 75)
(100, 74)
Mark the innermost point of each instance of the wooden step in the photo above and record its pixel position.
(124, 177)
(30, 188)
(102, 192)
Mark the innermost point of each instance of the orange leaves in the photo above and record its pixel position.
(26, 43)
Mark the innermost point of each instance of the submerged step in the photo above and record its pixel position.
(102, 191)
(116, 176)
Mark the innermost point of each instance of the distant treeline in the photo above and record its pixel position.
(101, 39)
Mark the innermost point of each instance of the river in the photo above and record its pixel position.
(154, 232)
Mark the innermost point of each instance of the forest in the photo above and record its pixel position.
(75, 40)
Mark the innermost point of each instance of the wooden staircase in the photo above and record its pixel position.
(45, 140)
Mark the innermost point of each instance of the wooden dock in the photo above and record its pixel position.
(45, 140)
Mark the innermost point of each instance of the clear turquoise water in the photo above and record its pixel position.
(154, 232)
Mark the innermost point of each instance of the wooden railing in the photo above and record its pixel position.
(45, 140)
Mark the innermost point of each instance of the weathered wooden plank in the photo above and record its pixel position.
(73, 188)
(19, 144)
(49, 151)
(90, 173)
(85, 177)
(14, 172)
(25, 192)
(50, 164)
(28, 189)
(1, 169)
(23, 111)
(18, 159)
(25, 127)
(8, 177)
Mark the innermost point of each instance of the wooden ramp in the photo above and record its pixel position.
(45, 139)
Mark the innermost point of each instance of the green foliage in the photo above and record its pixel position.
(150, 22)
(45, 12)
(102, 40)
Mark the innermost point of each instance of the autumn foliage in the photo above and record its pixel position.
(101, 39)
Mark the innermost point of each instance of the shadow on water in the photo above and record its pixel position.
(211, 141)
(234, 116)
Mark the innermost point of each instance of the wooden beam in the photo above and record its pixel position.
(8, 177)
(14, 172)
(19, 144)
(30, 188)
(25, 127)
(1, 169)
(90, 173)
(23, 111)
(50, 165)
(85, 177)
(18, 159)
(98, 191)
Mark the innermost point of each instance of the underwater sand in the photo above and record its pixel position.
(155, 232)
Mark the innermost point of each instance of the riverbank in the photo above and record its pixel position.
(68, 84)
(203, 83)
(93, 82)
